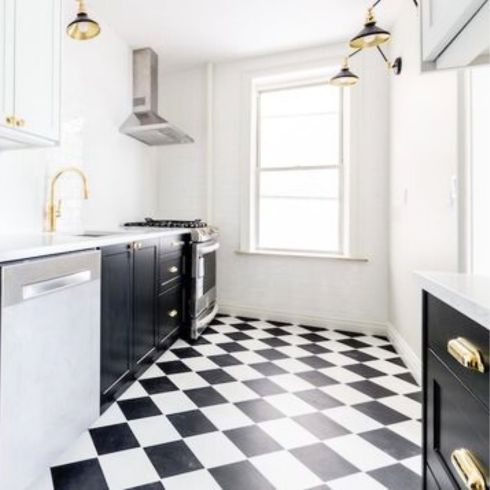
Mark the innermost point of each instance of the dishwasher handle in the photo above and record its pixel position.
(23, 281)
(52, 285)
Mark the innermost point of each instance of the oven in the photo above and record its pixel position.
(203, 304)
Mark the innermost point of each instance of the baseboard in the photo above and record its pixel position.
(368, 328)
(408, 355)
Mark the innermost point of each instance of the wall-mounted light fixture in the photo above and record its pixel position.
(371, 36)
(83, 27)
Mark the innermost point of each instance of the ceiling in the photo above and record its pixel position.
(186, 33)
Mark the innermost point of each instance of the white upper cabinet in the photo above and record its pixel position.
(30, 54)
(454, 32)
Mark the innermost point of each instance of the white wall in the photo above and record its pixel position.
(96, 99)
(424, 159)
(302, 288)
(182, 168)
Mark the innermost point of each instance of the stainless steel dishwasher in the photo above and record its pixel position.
(49, 360)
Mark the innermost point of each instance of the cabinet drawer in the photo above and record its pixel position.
(171, 268)
(173, 243)
(454, 419)
(445, 324)
(169, 312)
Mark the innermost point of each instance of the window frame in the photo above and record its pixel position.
(257, 170)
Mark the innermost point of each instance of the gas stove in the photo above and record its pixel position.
(200, 231)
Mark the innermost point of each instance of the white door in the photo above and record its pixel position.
(7, 8)
(37, 67)
(441, 22)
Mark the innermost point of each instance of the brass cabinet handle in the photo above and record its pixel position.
(173, 313)
(10, 120)
(137, 245)
(20, 123)
(466, 354)
(468, 469)
(173, 269)
(177, 244)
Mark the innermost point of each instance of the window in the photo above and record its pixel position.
(299, 174)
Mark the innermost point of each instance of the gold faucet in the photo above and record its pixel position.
(54, 210)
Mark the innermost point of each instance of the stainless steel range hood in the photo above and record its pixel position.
(144, 124)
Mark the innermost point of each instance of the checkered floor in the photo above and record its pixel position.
(257, 405)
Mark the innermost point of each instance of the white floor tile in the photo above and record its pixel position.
(214, 449)
(83, 448)
(351, 419)
(386, 367)
(295, 339)
(242, 372)
(360, 452)
(335, 346)
(226, 417)
(236, 392)
(254, 344)
(356, 481)
(216, 339)
(167, 356)
(152, 372)
(151, 431)
(396, 384)
(379, 353)
(173, 402)
(292, 365)
(199, 363)
(341, 374)
(284, 471)
(200, 480)
(125, 469)
(404, 405)
(247, 357)
(294, 351)
(134, 391)
(257, 334)
(289, 404)
(291, 382)
(414, 464)
(288, 433)
(111, 416)
(188, 381)
(410, 429)
(345, 394)
(337, 358)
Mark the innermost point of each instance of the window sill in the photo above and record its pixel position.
(306, 255)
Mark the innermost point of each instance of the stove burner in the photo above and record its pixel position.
(169, 223)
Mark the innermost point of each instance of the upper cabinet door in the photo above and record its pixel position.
(7, 9)
(37, 67)
(442, 20)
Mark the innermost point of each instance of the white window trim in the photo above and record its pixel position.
(310, 75)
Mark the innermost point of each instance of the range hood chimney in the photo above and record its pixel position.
(144, 124)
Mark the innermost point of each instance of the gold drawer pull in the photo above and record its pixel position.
(173, 269)
(10, 120)
(20, 123)
(137, 246)
(177, 244)
(468, 469)
(173, 313)
(466, 354)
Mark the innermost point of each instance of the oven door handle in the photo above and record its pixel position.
(208, 249)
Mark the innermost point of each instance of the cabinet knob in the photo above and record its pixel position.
(173, 313)
(468, 469)
(173, 269)
(466, 354)
(137, 245)
(20, 123)
(10, 120)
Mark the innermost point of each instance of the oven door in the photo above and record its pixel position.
(203, 305)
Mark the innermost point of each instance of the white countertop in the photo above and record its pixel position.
(466, 293)
(26, 246)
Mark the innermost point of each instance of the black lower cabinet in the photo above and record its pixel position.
(145, 267)
(456, 448)
(137, 319)
(116, 318)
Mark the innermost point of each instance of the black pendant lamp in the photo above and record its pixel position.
(345, 78)
(371, 35)
(83, 27)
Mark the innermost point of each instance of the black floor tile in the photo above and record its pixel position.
(396, 477)
(172, 458)
(279, 324)
(358, 355)
(365, 371)
(216, 376)
(391, 443)
(397, 361)
(238, 336)
(381, 413)
(191, 423)
(259, 410)
(186, 352)
(224, 360)
(407, 377)
(313, 337)
(371, 389)
(205, 397)
(350, 334)
(321, 426)
(318, 399)
(243, 327)
(113, 438)
(82, 475)
(268, 368)
(271, 354)
(252, 440)
(137, 408)
(316, 378)
(173, 367)
(232, 347)
(240, 476)
(275, 342)
(325, 462)
(158, 385)
(314, 348)
(315, 362)
(264, 387)
(354, 343)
